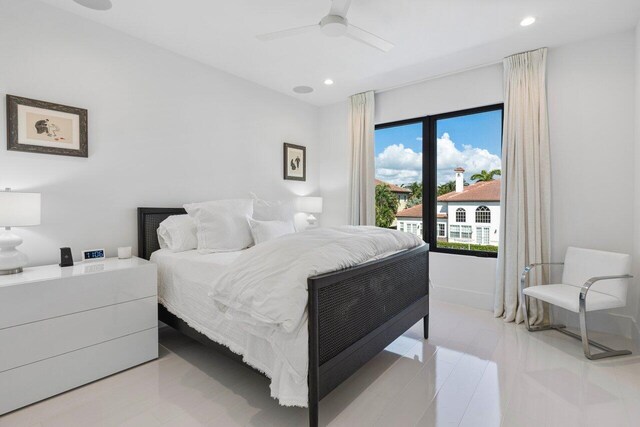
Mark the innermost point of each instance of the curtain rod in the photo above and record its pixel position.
(438, 76)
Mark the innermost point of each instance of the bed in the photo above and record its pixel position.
(349, 319)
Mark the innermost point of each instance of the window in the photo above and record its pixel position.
(465, 149)
(483, 215)
(398, 163)
(460, 232)
(465, 232)
(451, 163)
(482, 235)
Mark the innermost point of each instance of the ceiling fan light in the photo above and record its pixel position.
(328, 82)
(334, 25)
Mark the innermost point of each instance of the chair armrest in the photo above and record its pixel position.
(528, 268)
(591, 281)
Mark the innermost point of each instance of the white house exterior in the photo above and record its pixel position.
(471, 214)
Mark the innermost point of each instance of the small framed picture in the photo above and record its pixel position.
(295, 162)
(43, 127)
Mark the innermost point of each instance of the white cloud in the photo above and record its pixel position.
(472, 159)
(398, 165)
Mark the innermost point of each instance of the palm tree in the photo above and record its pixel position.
(447, 187)
(486, 176)
(416, 189)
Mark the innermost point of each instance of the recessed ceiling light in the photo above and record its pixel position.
(527, 21)
(95, 4)
(328, 82)
(303, 89)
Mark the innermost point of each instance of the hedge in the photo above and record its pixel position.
(468, 246)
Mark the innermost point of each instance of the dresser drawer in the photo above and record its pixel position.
(40, 340)
(45, 299)
(30, 383)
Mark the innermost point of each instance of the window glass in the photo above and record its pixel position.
(469, 166)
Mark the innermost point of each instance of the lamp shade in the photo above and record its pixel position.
(309, 204)
(19, 209)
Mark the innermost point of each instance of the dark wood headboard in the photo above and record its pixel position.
(148, 221)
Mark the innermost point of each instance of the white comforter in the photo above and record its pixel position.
(265, 289)
(268, 283)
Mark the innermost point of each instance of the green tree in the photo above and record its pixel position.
(386, 206)
(447, 187)
(413, 201)
(486, 176)
(416, 190)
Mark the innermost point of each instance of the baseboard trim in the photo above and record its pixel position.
(464, 297)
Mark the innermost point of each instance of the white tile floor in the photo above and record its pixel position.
(473, 371)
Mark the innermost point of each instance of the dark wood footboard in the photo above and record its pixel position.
(355, 313)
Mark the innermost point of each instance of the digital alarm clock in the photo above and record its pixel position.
(93, 255)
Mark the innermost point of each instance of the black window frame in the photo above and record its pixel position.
(429, 173)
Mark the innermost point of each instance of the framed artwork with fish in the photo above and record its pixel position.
(47, 128)
(295, 162)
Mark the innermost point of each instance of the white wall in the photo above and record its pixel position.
(591, 118)
(591, 110)
(163, 130)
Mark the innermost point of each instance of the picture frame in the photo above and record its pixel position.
(295, 162)
(35, 126)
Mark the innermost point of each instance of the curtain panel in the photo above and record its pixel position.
(525, 190)
(361, 132)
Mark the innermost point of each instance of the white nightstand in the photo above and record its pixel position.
(61, 328)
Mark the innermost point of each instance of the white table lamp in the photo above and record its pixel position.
(310, 205)
(16, 210)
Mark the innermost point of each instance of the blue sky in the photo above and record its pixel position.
(483, 130)
(473, 142)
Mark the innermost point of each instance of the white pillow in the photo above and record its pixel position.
(263, 231)
(222, 224)
(264, 210)
(178, 233)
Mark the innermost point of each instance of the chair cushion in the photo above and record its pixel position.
(568, 297)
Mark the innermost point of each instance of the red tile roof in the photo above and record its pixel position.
(394, 188)
(485, 191)
(412, 212)
(415, 212)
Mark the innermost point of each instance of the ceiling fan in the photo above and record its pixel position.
(335, 24)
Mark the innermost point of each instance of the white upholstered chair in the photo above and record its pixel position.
(591, 280)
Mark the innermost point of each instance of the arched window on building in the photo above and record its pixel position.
(483, 215)
(461, 215)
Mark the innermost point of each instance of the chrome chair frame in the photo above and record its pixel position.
(584, 336)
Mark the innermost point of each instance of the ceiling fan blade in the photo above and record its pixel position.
(340, 7)
(366, 37)
(287, 33)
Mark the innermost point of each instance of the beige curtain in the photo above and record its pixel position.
(361, 130)
(525, 190)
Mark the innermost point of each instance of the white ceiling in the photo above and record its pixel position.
(431, 37)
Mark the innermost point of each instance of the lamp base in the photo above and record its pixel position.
(14, 271)
(312, 221)
(11, 259)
